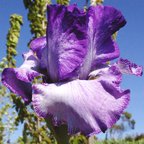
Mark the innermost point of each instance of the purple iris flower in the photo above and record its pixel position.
(79, 88)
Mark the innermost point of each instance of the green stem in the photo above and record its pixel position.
(60, 132)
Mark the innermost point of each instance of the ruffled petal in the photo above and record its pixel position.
(66, 40)
(127, 67)
(103, 22)
(88, 106)
(37, 45)
(18, 80)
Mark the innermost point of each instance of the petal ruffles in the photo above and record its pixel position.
(127, 67)
(18, 80)
(88, 106)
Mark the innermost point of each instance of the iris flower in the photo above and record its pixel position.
(79, 87)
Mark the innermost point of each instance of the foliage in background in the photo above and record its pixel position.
(12, 39)
(37, 16)
(7, 115)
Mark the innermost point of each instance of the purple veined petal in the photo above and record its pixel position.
(66, 40)
(37, 45)
(109, 51)
(108, 73)
(88, 106)
(127, 67)
(103, 22)
(18, 80)
(43, 60)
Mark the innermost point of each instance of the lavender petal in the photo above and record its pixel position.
(88, 106)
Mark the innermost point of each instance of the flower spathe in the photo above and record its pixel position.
(79, 88)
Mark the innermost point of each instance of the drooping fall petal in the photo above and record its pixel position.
(87, 106)
(18, 80)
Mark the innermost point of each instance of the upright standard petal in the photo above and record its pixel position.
(18, 80)
(66, 40)
(127, 67)
(103, 21)
(88, 106)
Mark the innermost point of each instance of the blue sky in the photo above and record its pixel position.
(130, 40)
